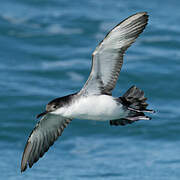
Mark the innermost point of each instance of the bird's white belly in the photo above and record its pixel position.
(101, 107)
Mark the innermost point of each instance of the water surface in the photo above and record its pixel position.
(46, 49)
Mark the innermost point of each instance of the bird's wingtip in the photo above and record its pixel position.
(23, 167)
(142, 13)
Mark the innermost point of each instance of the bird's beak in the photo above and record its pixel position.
(42, 114)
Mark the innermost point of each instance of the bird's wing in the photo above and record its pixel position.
(47, 130)
(107, 59)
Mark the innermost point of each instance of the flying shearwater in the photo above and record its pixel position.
(94, 101)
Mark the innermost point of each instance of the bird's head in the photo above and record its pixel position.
(57, 103)
(50, 107)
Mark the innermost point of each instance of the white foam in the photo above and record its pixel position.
(57, 29)
(69, 63)
(12, 19)
(75, 76)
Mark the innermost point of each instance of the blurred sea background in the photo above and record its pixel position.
(45, 52)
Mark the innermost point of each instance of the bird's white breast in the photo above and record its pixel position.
(102, 107)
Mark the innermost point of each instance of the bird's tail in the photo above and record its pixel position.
(134, 99)
(135, 102)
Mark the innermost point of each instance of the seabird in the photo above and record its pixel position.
(94, 101)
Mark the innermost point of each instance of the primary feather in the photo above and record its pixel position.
(47, 130)
(107, 59)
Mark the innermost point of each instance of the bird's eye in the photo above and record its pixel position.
(54, 107)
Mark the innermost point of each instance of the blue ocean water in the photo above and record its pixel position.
(45, 52)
